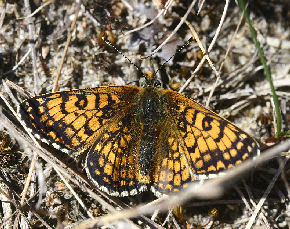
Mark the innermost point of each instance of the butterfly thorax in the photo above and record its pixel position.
(150, 114)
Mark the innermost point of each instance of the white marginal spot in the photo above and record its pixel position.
(221, 174)
(157, 193)
(258, 154)
(204, 177)
(55, 145)
(143, 188)
(201, 177)
(113, 193)
(124, 193)
(65, 150)
(104, 189)
(213, 175)
(133, 192)
(45, 141)
(35, 135)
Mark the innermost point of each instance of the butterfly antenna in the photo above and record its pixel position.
(179, 50)
(118, 51)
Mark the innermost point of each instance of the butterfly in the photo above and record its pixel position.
(138, 138)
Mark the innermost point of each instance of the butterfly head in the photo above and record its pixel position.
(150, 80)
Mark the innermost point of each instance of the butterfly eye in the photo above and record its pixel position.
(157, 83)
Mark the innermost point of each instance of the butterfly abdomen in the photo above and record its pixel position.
(150, 115)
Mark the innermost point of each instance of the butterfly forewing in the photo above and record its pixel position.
(209, 142)
(74, 119)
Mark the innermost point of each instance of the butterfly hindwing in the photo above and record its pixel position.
(112, 162)
(173, 170)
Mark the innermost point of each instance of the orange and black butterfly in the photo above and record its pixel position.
(138, 138)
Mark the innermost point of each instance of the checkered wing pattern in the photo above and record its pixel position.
(112, 162)
(173, 170)
(200, 145)
(137, 137)
(73, 120)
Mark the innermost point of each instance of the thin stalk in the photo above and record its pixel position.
(264, 63)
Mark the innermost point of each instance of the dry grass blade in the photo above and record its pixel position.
(208, 51)
(249, 208)
(266, 193)
(2, 17)
(31, 29)
(55, 86)
(31, 169)
(163, 11)
(19, 63)
(207, 58)
(174, 31)
(201, 47)
(37, 10)
(74, 193)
